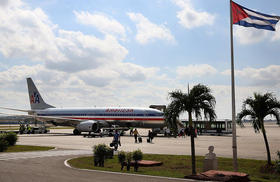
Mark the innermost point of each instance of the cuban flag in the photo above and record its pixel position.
(249, 18)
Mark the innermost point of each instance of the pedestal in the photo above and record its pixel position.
(210, 164)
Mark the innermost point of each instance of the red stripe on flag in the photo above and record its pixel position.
(237, 13)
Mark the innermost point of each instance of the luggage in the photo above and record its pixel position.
(148, 140)
(140, 139)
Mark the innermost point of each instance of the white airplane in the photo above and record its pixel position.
(90, 119)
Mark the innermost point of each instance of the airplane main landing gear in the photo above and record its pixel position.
(76, 132)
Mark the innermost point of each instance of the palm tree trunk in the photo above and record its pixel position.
(266, 145)
(192, 143)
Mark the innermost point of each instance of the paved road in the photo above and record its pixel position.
(50, 153)
(44, 169)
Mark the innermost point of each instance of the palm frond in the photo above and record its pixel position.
(242, 114)
(276, 114)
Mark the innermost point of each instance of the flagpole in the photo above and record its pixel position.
(234, 143)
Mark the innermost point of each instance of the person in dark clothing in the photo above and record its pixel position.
(187, 131)
(116, 137)
(116, 140)
(135, 133)
(151, 136)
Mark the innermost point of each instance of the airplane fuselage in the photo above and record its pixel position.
(122, 116)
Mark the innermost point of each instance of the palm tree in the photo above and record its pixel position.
(171, 117)
(257, 109)
(199, 99)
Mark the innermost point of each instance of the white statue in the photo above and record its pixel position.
(210, 161)
(210, 155)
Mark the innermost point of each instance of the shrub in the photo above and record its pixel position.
(101, 152)
(109, 153)
(121, 157)
(11, 138)
(3, 143)
(137, 155)
(128, 159)
(128, 156)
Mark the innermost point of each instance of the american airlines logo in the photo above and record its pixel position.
(119, 110)
(34, 98)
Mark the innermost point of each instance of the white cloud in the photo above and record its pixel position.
(17, 73)
(101, 22)
(148, 31)
(276, 35)
(84, 52)
(28, 33)
(250, 35)
(18, 25)
(222, 93)
(135, 72)
(102, 87)
(69, 59)
(190, 17)
(191, 71)
(269, 75)
(10, 3)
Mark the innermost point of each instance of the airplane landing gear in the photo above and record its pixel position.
(76, 132)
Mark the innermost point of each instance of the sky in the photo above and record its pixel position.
(102, 53)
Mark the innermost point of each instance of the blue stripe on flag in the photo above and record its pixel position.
(269, 16)
(246, 24)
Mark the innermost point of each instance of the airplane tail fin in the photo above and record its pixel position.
(36, 101)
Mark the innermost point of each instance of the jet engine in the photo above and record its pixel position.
(89, 126)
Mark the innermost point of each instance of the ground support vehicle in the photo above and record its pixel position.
(27, 129)
(93, 135)
(110, 131)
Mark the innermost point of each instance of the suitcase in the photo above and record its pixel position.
(148, 140)
(140, 139)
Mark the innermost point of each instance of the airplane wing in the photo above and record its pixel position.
(31, 116)
(12, 117)
(53, 120)
(47, 119)
(12, 109)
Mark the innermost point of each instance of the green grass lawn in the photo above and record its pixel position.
(27, 148)
(179, 166)
(8, 128)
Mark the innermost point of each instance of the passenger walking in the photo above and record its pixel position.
(135, 133)
(151, 136)
(116, 140)
(187, 131)
(131, 131)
